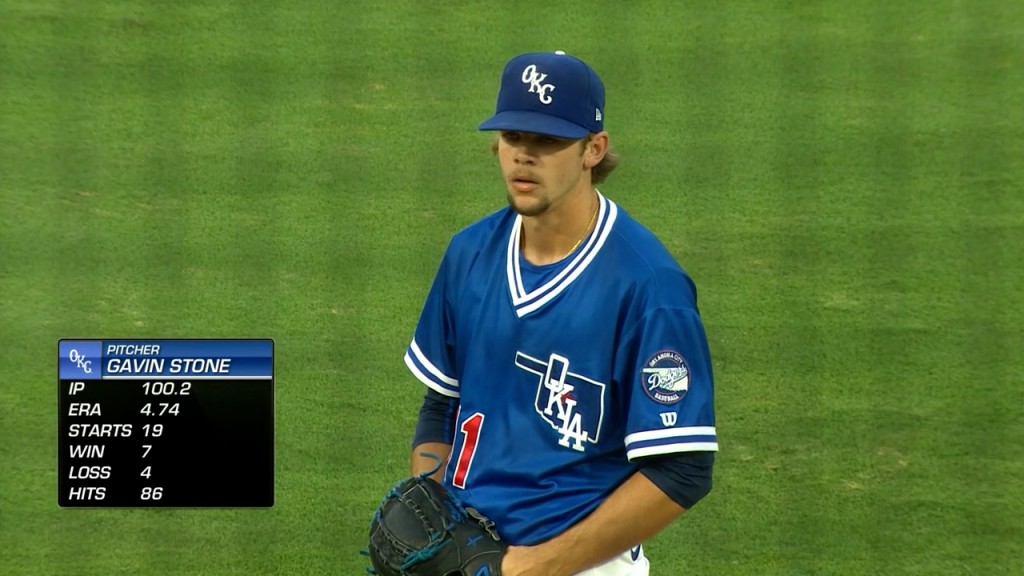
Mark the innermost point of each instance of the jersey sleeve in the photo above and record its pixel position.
(431, 354)
(667, 372)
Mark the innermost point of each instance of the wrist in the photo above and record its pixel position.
(559, 556)
(536, 559)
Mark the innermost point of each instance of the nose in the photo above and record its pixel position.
(523, 156)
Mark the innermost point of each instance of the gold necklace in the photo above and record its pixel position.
(585, 232)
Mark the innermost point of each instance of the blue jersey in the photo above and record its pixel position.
(566, 374)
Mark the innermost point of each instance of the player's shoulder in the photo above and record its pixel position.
(485, 227)
(469, 241)
(644, 260)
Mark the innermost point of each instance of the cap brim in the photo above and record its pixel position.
(534, 123)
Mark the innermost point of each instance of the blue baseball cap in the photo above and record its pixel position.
(549, 93)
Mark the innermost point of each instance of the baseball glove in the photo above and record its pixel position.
(422, 530)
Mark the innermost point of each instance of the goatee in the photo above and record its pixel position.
(533, 210)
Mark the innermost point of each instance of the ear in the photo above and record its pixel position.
(595, 149)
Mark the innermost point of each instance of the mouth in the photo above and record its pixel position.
(523, 183)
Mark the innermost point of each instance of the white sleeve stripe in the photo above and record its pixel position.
(427, 380)
(670, 433)
(672, 449)
(430, 367)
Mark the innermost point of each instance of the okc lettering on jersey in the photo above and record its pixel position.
(531, 77)
(572, 404)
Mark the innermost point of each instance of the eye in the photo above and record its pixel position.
(511, 136)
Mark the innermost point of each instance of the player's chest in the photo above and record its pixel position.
(500, 306)
(576, 321)
(553, 366)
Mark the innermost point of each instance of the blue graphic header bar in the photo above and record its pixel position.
(101, 359)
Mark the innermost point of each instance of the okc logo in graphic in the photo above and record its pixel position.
(572, 404)
(531, 77)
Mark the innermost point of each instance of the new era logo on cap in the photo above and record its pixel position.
(549, 93)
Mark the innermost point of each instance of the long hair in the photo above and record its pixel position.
(606, 165)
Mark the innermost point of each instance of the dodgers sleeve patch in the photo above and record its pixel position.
(672, 397)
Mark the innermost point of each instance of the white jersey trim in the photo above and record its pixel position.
(430, 366)
(670, 433)
(670, 441)
(426, 379)
(526, 303)
(436, 380)
(672, 449)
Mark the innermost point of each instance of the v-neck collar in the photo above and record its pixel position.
(527, 302)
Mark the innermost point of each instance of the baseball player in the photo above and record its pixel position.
(569, 385)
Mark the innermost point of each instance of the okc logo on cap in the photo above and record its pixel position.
(549, 93)
(534, 79)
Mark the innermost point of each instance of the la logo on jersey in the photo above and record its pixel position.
(666, 377)
(571, 403)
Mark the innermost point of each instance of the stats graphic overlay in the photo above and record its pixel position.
(165, 423)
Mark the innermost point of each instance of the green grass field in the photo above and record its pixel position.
(843, 180)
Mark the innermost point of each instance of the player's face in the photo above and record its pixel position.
(540, 170)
